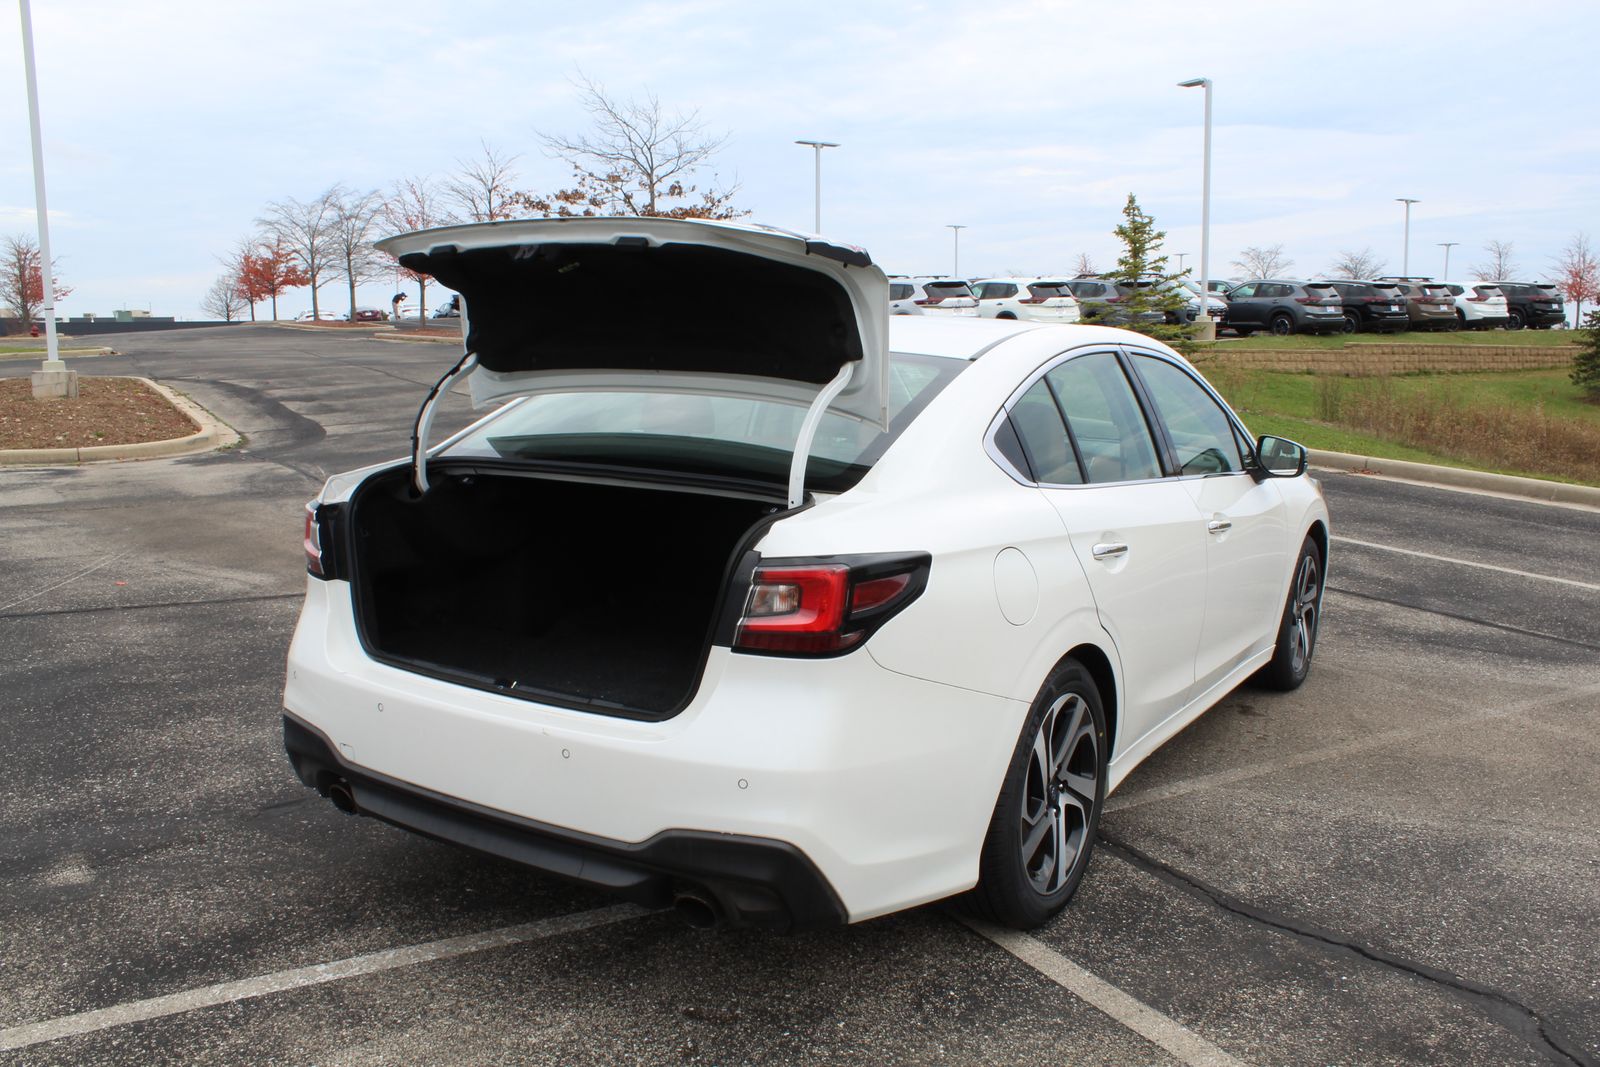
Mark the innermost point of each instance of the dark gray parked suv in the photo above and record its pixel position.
(1284, 307)
(1098, 299)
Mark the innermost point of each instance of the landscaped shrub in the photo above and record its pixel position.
(1586, 364)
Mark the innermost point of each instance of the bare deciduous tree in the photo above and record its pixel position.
(1263, 262)
(355, 222)
(1577, 273)
(306, 229)
(636, 161)
(1357, 265)
(414, 204)
(482, 188)
(1084, 265)
(1499, 267)
(225, 299)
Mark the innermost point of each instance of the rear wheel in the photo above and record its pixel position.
(1297, 630)
(1005, 315)
(1351, 324)
(1452, 325)
(1282, 325)
(1044, 824)
(1517, 321)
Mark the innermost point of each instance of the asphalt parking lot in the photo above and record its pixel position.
(1398, 863)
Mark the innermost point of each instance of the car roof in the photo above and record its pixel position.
(968, 339)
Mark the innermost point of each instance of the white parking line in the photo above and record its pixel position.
(1355, 746)
(263, 985)
(1466, 563)
(1129, 1011)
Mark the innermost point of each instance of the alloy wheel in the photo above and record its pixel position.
(1307, 594)
(1059, 797)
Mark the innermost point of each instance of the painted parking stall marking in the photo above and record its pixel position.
(1466, 563)
(1127, 1010)
(136, 1011)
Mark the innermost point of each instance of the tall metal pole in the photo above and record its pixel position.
(52, 360)
(1447, 246)
(1207, 330)
(1405, 254)
(818, 146)
(955, 269)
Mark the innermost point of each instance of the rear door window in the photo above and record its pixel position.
(1049, 450)
(1107, 424)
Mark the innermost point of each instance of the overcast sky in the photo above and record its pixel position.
(169, 126)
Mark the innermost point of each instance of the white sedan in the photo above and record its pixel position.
(785, 619)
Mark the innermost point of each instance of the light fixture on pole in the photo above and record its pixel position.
(1208, 329)
(1405, 255)
(1447, 246)
(1181, 257)
(819, 146)
(955, 269)
(52, 379)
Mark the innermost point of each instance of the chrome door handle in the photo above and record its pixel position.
(1109, 551)
(1218, 526)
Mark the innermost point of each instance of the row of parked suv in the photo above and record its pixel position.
(1278, 305)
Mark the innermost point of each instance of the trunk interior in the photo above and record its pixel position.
(575, 592)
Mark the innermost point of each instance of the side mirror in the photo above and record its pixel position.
(1278, 457)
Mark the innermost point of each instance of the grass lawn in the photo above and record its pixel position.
(1533, 423)
(1539, 338)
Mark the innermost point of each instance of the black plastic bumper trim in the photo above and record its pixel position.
(756, 881)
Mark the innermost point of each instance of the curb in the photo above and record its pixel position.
(213, 434)
(402, 338)
(1460, 478)
(75, 353)
(285, 324)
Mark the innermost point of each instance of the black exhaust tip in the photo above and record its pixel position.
(698, 911)
(343, 797)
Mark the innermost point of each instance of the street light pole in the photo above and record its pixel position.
(1181, 257)
(1447, 246)
(819, 146)
(1208, 329)
(1405, 255)
(955, 269)
(52, 378)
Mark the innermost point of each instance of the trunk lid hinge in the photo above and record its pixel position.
(808, 433)
(424, 422)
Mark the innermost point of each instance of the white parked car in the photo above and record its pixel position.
(931, 296)
(1479, 305)
(1027, 299)
(785, 620)
(312, 316)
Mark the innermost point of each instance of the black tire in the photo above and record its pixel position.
(1243, 331)
(1452, 326)
(1517, 321)
(1351, 324)
(1005, 315)
(1061, 780)
(1281, 325)
(1297, 629)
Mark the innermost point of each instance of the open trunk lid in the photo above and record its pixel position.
(649, 304)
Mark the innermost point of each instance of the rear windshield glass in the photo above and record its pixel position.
(1087, 288)
(945, 290)
(719, 436)
(1354, 292)
(1521, 289)
(1322, 292)
(1044, 292)
(901, 290)
(1436, 290)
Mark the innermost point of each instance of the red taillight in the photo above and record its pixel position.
(929, 300)
(821, 609)
(313, 541)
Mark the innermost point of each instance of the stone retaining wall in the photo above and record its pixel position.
(1377, 358)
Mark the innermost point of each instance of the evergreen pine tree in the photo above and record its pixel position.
(1586, 364)
(1154, 290)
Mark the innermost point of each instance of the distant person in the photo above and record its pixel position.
(394, 303)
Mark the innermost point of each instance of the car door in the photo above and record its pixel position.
(1243, 307)
(1248, 550)
(1135, 532)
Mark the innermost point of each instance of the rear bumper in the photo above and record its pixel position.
(883, 783)
(755, 882)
